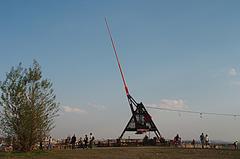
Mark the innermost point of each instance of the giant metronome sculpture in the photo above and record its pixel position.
(141, 121)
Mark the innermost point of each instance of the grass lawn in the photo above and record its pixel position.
(128, 153)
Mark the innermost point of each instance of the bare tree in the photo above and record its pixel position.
(28, 106)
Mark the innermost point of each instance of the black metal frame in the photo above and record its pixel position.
(140, 121)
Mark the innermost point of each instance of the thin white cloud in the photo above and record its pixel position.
(171, 104)
(232, 72)
(69, 109)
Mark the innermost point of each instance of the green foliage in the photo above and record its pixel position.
(28, 106)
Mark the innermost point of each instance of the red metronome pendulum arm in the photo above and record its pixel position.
(119, 65)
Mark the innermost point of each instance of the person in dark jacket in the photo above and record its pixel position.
(73, 141)
(86, 141)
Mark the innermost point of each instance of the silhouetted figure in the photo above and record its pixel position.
(193, 143)
(177, 140)
(145, 140)
(73, 141)
(154, 141)
(235, 144)
(86, 141)
(202, 140)
(80, 143)
(68, 140)
(207, 140)
(41, 146)
(49, 143)
(91, 141)
(177, 137)
(162, 140)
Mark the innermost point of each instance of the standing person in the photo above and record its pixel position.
(41, 146)
(207, 140)
(177, 140)
(235, 145)
(80, 143)
(86, 141)
(145, 140)
(193, 143)
(202, 140)
(68, 140)
(91, 140)
(73, 141)
(50, 143)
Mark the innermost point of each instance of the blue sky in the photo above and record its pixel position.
(175, 54)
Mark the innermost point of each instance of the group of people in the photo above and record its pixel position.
(82, 143)
(204, 140)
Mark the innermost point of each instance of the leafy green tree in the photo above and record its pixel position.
(29, 106)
